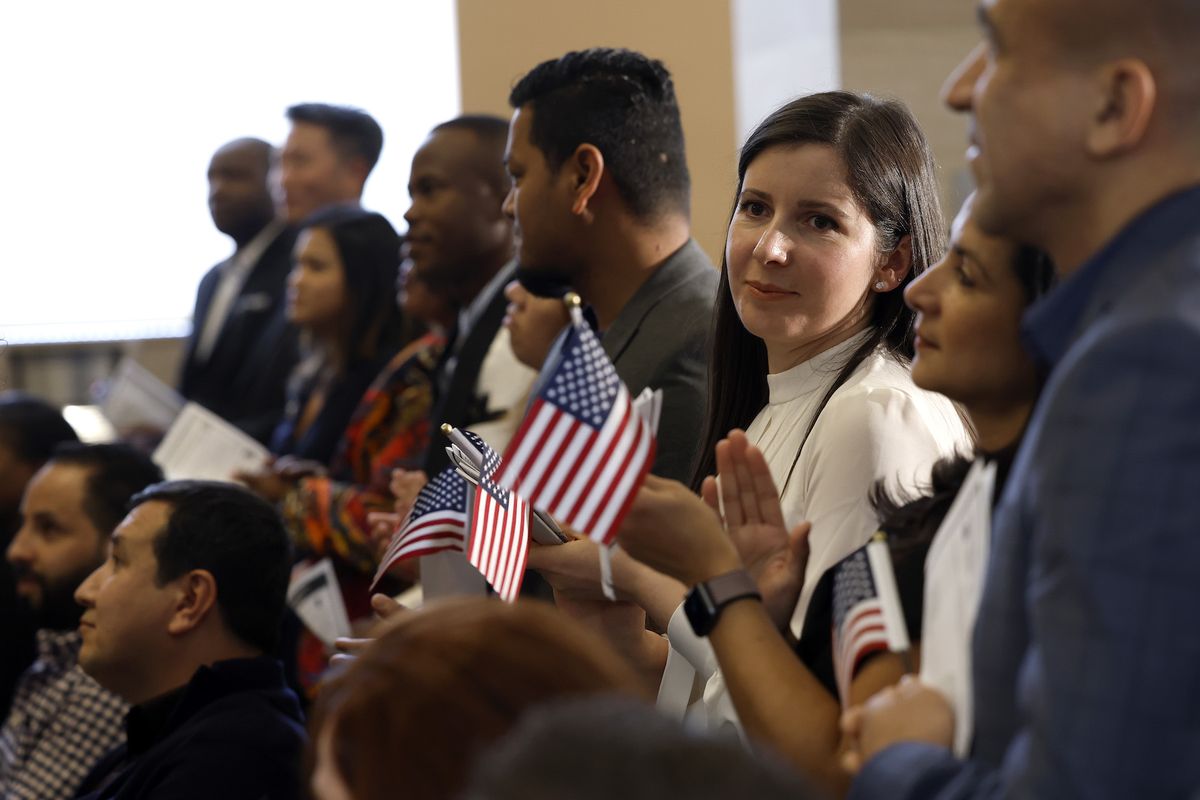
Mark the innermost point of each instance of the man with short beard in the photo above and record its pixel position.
(62, 722)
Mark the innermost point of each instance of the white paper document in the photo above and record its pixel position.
(202, 446)
(449, 574)
(135, 399)
(316, 598)
(955, 570)
(648, 405)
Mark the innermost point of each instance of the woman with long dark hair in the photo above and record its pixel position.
(836, 213)
(341, 294)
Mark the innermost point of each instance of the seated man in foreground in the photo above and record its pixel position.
(62, 723)
(178, 622)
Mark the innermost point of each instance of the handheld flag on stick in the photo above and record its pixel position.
(436, 523)
(867, 615)
(583, 450)
(499, 540)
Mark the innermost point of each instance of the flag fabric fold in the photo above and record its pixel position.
(436, 523)
(499, 540)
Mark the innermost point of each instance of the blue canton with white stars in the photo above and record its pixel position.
(446, 492)
(491, 463)
(584, 384)
(852, 583)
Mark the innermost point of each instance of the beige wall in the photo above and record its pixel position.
(500, 41)
(906, 50)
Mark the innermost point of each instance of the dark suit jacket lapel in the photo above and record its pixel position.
(663, 281)
(204, 296)
(268, 277)
(454, 404)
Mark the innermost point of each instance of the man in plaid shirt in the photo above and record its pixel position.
(62, 722)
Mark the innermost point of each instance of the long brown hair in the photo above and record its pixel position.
(890, 171)
(409, 716)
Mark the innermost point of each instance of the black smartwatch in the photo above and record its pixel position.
(706, 600)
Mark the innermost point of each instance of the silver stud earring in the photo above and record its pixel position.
(880, 286)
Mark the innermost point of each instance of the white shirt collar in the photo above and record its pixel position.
(815, 373)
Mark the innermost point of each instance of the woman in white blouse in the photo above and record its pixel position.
(836, 212)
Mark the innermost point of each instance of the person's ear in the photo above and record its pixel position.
(585, 168)
(1125, 99)
(894, 267)
(196, 596)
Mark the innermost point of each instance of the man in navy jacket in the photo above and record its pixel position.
(179, 621)
(1086, 142)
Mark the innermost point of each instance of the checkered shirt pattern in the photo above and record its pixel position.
(61, 723)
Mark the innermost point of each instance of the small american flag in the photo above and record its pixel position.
(499, 542)
(858, 626)
(582, 451)
(437, 522)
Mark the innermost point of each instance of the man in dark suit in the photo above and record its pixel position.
(242, 349)
(601, 198)
(460, 241)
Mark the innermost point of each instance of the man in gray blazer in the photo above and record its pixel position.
(600, 198)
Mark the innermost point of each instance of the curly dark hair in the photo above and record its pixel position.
(624, 104)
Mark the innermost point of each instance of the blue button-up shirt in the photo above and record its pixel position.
(1086, 653)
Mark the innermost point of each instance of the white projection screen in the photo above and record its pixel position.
(111, 111)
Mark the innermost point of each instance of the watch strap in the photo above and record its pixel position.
(707, 599)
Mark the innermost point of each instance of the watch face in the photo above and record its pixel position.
(698, 609)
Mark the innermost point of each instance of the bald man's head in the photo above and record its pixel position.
(1079, 105)
(239, 195)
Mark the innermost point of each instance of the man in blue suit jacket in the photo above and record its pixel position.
(1086, 142)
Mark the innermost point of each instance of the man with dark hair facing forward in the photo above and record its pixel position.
(178, 622)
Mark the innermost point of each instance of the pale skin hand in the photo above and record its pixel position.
(533, 324)
(778, 700)
(774, 556)
(573, 571)
(266, 482)
(405, 486)
(673, 531)
(910, 711)
(386, 609)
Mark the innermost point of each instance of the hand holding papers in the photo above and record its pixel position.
(202, 446)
